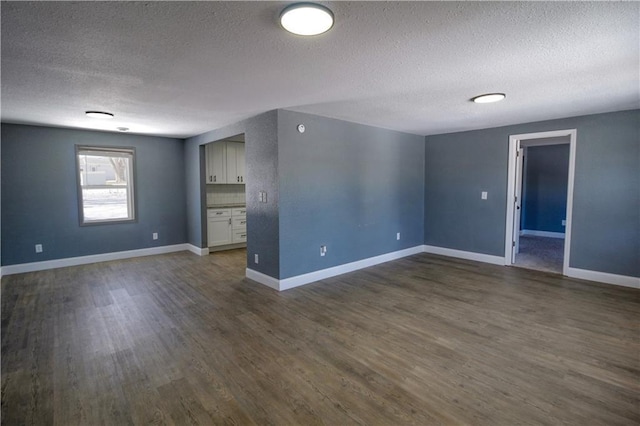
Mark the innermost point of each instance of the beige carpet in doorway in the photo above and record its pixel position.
(541, 253)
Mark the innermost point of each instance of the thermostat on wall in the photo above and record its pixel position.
(301, 128)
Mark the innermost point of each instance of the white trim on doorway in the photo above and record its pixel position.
(514, 145)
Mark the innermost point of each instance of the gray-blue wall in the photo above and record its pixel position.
(40, 198)
(261, 164)
(606, 203)
(545, 182)
(347, 186)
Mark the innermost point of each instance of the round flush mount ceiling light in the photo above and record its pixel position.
(123, 129)
(306, 19)
(488, 98)
(98, 114)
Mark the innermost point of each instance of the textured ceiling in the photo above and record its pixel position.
(180, 69)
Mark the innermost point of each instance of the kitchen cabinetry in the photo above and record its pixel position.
(216, 163)
(226, 226)
(225, 162)
(218, 227)
(235, 162)
(239, 225)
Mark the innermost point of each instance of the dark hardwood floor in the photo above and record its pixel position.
(181, 339)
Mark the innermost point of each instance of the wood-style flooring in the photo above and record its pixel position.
(181, 339)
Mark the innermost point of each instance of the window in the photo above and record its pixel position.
(105, 184)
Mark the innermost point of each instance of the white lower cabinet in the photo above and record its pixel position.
(218, 227)
(239, 225)
(226, 226)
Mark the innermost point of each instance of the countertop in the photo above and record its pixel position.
(224, 206)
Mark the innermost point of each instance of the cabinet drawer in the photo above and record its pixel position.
(218, 213)
(239, 222)
(239, 211)
(239, 236)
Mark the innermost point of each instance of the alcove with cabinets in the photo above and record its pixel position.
(226, 199)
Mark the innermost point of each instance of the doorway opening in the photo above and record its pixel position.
(225, 195)
(539, 200)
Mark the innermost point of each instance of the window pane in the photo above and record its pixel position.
(105, 203)
(106, 185)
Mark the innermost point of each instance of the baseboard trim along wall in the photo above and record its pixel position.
(297, 281)
(300, 280)
(542, 233)
(468, 255)
(261, 278)
(83, 260)
(197, 250)
(604, 277)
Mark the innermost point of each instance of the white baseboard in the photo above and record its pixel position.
(542, 233)
(274, 283)
(314, 276)
(604, 277)
(197, 250)
(468, 255)
(83, 260)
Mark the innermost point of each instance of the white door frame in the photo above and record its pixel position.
(514, 145)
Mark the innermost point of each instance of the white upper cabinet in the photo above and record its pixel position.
(215, 154)
(225, 162)
(235, 162)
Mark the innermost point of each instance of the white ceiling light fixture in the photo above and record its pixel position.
(306, 19)
(98, 114)
(488, 98)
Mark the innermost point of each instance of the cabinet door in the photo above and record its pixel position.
(240, 161)
(208, 178)
(218, 232)
(216, 160)
(232, 170)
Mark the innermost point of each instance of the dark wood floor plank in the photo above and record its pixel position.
(181, 339)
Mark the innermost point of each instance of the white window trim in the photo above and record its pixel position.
(112, 151)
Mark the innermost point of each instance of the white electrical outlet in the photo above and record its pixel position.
(398, 236)
(564, 222)
(256, 259)
(155, 235)
(38, 248)
(484, 195)
(323, 250)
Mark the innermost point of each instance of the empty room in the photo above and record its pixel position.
(375, 213)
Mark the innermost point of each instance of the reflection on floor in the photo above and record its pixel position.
(541, 253)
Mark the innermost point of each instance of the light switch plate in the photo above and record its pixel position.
(484, 195)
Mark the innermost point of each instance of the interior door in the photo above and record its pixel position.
(518, 202)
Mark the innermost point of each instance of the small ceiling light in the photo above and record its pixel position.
(98, 114)
(306, 19)
(488, 98)
(123, 129)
